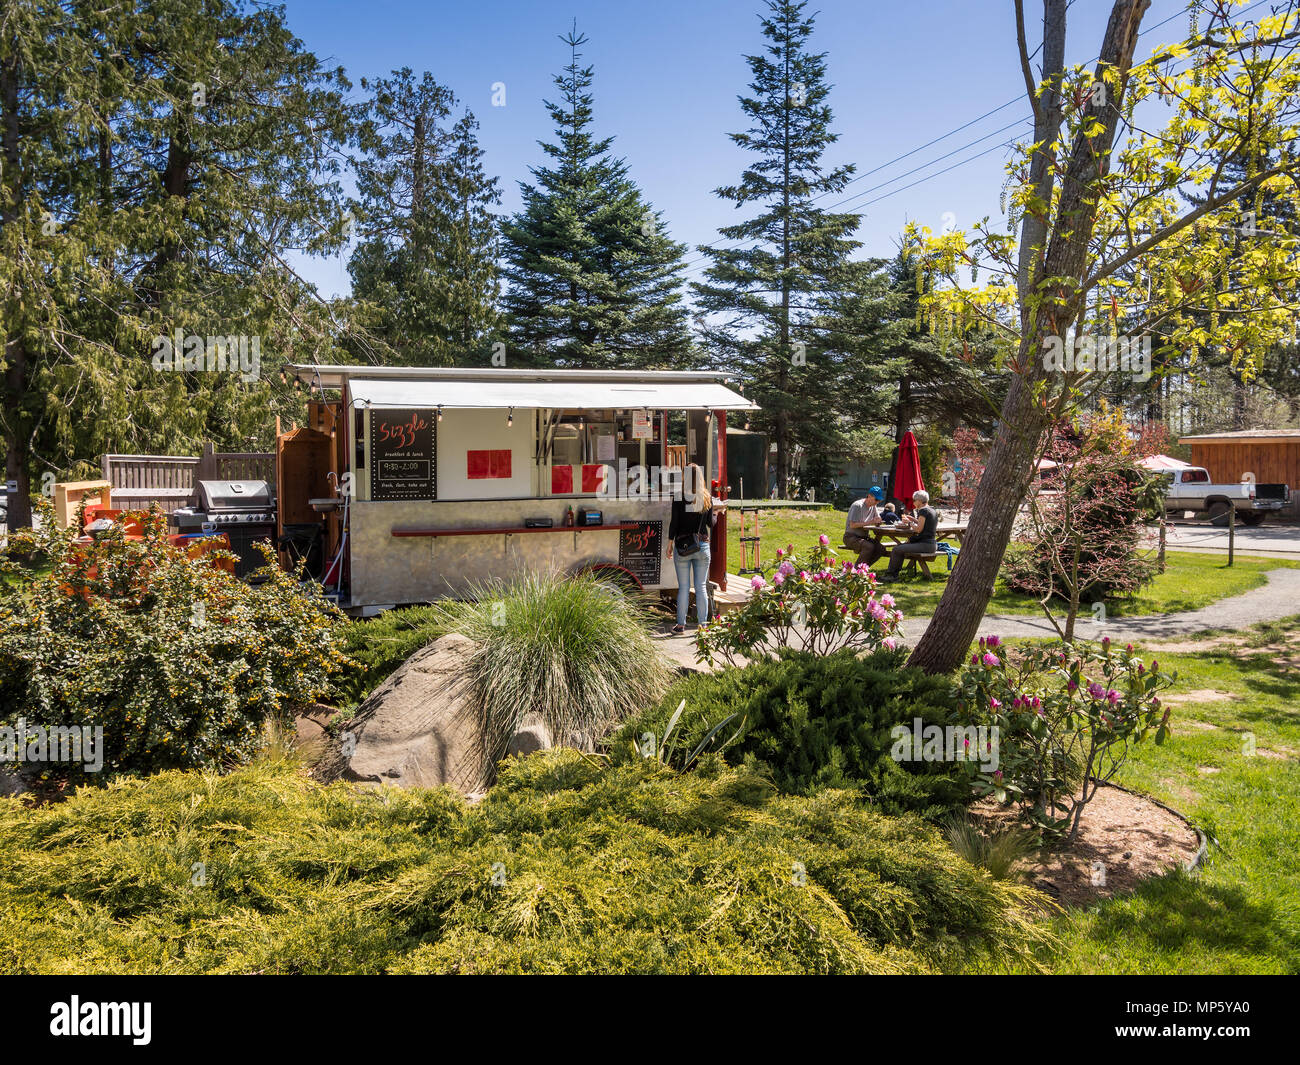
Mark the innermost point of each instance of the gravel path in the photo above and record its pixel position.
(1279, 598)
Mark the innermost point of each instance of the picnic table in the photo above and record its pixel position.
(943, 531)
(953, 530)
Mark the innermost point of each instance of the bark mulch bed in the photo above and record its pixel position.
(1123, 838)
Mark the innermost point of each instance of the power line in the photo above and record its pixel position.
(908, 173)
(883, 166)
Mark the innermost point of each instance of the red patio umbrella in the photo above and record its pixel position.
(907, 476)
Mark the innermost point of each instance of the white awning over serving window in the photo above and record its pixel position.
(546, 394)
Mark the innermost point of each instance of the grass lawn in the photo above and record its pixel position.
(1241, 914)
(1191, 579)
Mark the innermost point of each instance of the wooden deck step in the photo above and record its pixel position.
(737, 594)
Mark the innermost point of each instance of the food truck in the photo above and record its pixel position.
(427, 482)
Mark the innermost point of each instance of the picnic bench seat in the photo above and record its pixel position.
(913, 561)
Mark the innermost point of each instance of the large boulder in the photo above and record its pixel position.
(11, 784)
(418, 729)
(531, 736)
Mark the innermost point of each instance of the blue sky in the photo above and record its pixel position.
(667, 74)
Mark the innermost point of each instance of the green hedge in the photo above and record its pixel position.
(568, 866)
(179, 663)
(812, 722)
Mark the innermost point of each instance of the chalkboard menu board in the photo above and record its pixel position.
(403, 454)
(640, 550)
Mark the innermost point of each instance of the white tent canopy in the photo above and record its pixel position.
(525, 394)
(1164, 463)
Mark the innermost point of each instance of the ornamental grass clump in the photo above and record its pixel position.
(815, 603)
(569, 865)
(176, 660)
(572, 649)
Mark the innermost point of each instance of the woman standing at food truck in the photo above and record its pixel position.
(695, 512)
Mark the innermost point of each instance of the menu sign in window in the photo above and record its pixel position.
(403, 454)
(640, 549)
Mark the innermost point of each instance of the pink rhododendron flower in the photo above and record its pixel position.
(990, 659)
(757, 583)
(823, 539)
(887, 600)
(890, 644)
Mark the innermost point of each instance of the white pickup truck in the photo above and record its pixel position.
(1190, 489)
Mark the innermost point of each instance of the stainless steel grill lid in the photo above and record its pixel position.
(217, 497)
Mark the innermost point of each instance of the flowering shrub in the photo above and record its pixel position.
(816, 604)
(1066, 717)
(1085, 536)
(178, 661)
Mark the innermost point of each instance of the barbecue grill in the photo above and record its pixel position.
(243, 510)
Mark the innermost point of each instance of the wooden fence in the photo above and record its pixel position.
(140, 481)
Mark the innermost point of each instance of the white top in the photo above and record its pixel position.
(549, 394)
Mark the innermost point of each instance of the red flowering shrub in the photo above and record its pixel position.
(177, 661)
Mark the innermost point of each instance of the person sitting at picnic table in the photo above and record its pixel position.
(923, 525)
(863, 513)
(889, 515)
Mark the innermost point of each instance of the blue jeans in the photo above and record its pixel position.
(693, 569)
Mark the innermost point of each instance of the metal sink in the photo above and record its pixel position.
(325, 506)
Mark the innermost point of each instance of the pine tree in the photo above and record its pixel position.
(593, 279)
(945, 380)
(762, 297)
(424, 272)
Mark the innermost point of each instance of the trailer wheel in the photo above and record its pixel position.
(620, 580)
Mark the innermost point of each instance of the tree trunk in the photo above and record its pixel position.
(17, 444)
(1045, 311)
(903, 412)
(783, 463)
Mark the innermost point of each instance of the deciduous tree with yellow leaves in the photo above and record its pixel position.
(1131, 237)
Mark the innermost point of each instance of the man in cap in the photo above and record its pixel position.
(863, 513)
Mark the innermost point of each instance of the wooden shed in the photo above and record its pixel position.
(1271, 455)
